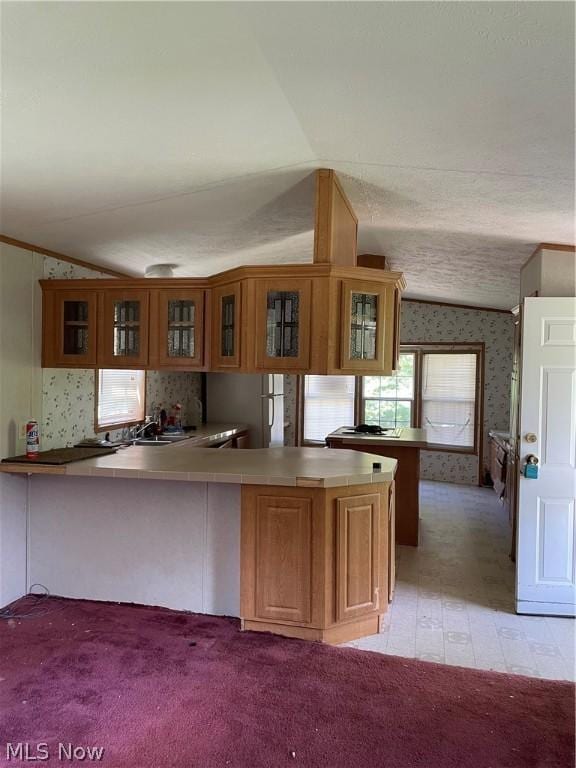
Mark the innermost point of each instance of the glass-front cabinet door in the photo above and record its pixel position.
(226, 326)
(72, 341)
(363, 337)
(123, 329)
(283, 324)
(180, 328)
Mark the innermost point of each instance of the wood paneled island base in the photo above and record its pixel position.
(406, 450)
(316, 562)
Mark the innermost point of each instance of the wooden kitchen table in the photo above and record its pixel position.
(406, 449)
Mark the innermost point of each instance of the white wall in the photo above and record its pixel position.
(549, 273)
(20, 400)
(154, 542)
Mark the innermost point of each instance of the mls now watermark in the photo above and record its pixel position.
(26, 752)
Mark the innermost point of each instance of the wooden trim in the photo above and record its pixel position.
(238, 274)
(335, 223)
(480, 391)
(60, 256)
(553, 247)
(371, 260)
(457, 306)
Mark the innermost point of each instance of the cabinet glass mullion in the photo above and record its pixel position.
(181, 328)
(283, 308)
(363, 326)
(227, 345)
(126, 328)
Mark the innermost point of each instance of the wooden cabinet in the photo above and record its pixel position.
(69, 329)
(226, 327)
(314, 561)
(368, 327)
(177, 328)
(283, 558)
(308, 318)
(391, 541)
(282, 320)
(123, 328)
(357, 555)
(498, 466)
(241, 441)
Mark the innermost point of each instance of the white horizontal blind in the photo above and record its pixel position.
(328, 404)
(449, 398)
(120, 396)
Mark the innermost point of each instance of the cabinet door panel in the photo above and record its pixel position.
(367, 336)
(180, 328)
(391, 541)
(70, 331)
(226, 329)
(123, 329)
(283, 324)
(283, 558)
(357, 556)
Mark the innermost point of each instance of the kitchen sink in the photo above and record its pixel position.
(167, 439)
(152, 441)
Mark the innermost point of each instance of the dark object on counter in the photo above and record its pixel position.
(61, 456)
(369, 429)
(376, 466)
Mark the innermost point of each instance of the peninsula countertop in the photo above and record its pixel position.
(311, 467)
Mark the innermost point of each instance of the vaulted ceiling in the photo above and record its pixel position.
(187, 133)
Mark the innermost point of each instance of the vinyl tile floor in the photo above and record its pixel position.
(454, 599)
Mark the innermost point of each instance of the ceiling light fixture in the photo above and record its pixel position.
(160, 270)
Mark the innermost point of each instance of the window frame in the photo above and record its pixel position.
(476, 349)
(415, 400)
(121, 424)
(420, 349)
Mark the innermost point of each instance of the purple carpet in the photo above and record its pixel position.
(156, 688)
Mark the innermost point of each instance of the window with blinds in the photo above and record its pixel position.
(449, 398)
(389, 400)
(328, 405)
(120, 397)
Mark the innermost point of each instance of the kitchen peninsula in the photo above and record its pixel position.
(292, 540)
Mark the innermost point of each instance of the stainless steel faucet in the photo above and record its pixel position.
(138, 429)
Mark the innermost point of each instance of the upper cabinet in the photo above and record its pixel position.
(177, 328)
(370, 326)
(69, 328)
(226, 327)
(123, 328)
(282, 324)
(328, 316)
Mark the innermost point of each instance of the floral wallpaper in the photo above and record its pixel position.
(68, 395)
(54, 269)
(429, 323)
(432, 323)
(68, 401)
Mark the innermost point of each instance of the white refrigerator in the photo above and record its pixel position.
(254, 399)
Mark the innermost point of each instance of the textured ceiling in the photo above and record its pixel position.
(138, 133)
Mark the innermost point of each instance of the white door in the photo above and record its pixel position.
(545, 575)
